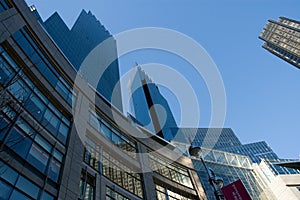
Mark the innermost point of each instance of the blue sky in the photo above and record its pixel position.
(262, 98)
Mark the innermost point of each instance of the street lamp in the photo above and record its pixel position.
(215, 181)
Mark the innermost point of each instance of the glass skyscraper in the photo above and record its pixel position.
(56, 143)
(282, 38)
(149, 107)
(76, 43)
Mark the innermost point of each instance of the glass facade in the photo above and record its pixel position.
(282, 38)
(256, 151)
(112, 168)
(27, 94)
(167, 194)
(170, 171)
(115, 136)
(216, 138)
(31, 126)
(230, 167)
(145, 94)
(15, 186)
(87, 33)
(87, 186)
(113, 195)
(42, 156)
(122, 175)
(279, 170)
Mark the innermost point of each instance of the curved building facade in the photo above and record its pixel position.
(62, 140)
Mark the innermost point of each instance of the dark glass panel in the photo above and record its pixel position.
(38, 158)
(5, 191)
(54, 170)
(18, 196)
(18, 142)
(27, 187)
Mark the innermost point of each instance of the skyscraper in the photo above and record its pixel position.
(54, 148)
(150, 107)
(76, 43)
(282, 38)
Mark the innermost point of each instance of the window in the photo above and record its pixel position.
(63, 133)
(87, 186)
(113, 195)
(43, 65)
(24, 126)
(16, 195)
(8, 174)
(3, 128)
(122, 175)
(170, 171)
(111, 133)
(54, 170)
(38, 139)
(4, 191)
(35, 107)
(36, 103)
(38, 158)
(46, 196)
(27, 187)
(20, 90)
(6, 73)
(50, 121)
(164, 194)
(57, 155)
(18, 142)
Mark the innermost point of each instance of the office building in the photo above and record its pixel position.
(55, 143)
(149, 106)
(77, 43)
(229, 167)
(214, 138)
(282, 182)
(282, 38)
(295, 164)
(256, 151)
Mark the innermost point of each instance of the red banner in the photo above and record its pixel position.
(236, 191)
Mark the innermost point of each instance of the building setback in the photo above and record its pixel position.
(55, 143)
(282, 38)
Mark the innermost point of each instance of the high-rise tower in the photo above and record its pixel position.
(149, 106)
(282, 38)
(76, 43)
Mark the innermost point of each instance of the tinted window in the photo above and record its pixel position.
(27, 187)
(18, 142)
(4, 191)
(8, 174)
(46, 196)
(54, 170)
(18, 196)
(38, 157)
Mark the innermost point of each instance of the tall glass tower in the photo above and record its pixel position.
(76, 43)
(149, 106)
(282, 38)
